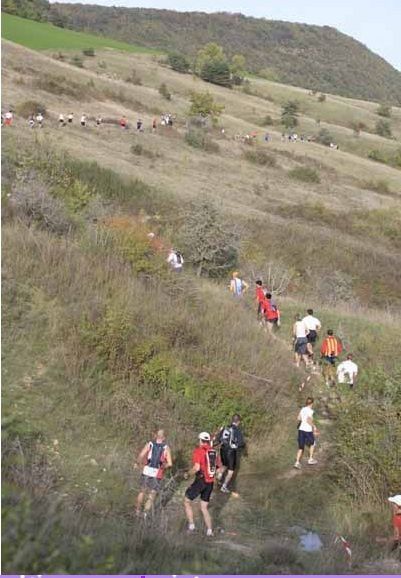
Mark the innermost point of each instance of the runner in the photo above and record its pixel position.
(347, 371)
(271, 312)
(330, 350)
(154, 125)
(313, 325)
(204, 460)
(123, 123)
(300, 334)
(306, 433)
(260, 291)
(39, 119)
(8, 118)
(99, 120)
(175, 260)
(83, 120)
(70, 118)
(231, 443)
(157, 458)
(238, 287)
(395, 502)
(139, 125)
(31, 121)
(61, 120)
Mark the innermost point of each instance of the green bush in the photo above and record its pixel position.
(134, 78)
(28, 107)
(322, 97)
(77, 61)
(260, 157)
(178, 62)
(383, 128)
(324, 137)
(164, 91)
(384, 110)
(268, 121)
(199, 139)
(139, 150)
(305, 174)
(379, 186)
(378, 156)
(88, 52)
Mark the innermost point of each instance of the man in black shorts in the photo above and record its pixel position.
(232, 441)
(204, 460)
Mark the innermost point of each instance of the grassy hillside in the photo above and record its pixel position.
(101, 344)
(44, 36)
(314, 57)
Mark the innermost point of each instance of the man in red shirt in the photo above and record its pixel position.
(259, 296)
(270, 312)
(204, 460)
(329, 352)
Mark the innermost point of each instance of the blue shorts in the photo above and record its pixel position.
(305, 438)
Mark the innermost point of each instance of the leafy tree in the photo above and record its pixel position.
(164, 91)
(212, 65)
(237, 68)
(384, 110)
(289, 114)
(209, 242)
(383, 128)
(178, 62)
(203, 104)
(357, 127)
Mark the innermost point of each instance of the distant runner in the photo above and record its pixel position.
(347, 371)
(330, 350)
(271, 312)
(175, 260)
(61, 119)
(300, 336)
(238, 287)
(83, 120)
(70, 117)
(260, 291)
(8, 118)
(313, 325)
(306, 434)
(232, 442)
(205, 463)
(157, 458)
(31, 122)
(39, 119)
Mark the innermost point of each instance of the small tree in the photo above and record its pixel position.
(209, 242)
(88, 52)
(324, 137)
(212, 65)
(164, 91)
(384, 110)
(178, 62)
(203, 104)
(237, 68)
(357, 126)
(383, 128)
(289, 114)
(321, 97)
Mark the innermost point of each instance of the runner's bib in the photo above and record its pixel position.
(150, 472)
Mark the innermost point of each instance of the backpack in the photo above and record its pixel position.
(156, 454)
(228, 437)
(211, 461)
(179, 257)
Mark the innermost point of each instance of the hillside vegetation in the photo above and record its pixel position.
(102, 344)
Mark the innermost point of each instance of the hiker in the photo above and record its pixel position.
(70, 117)
(123, 122)
(61, 120)
(99, 120)
(156, 456)
(347, 371)
(31, 121)
(271, 312)
(175, 260)
(39, 119)
(313, 325)
(139, 125)
(8, 118)
(154, 125)
(330, 350)
(300, 336)
(83, 120)
(260, 292)
(306, 433)
(231, 443)
(205, 463)
(238, 287)
(395, 502)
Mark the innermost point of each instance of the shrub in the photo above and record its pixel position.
(384, 110)
(260, 157)
(289, 114)
(383, 128)
(322, 97)
(88, 52)
(357, 127)
(216, 72)
(377, 186)
(164, 91)
(178, 62)
(378, 156)
(199, 139)
(305, 174)
(324, 137)
(58, 84)
(203, 104)
(139, 150)
(267, 121)
(28, 107)
(77, 61)
(134, 78)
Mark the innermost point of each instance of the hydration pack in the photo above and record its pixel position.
(228, 437)
(211, 462)
(156, 454)
(179, 257)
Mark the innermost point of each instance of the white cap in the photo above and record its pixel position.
(395, 500)
(204, 436)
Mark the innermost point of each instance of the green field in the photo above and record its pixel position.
(43, 36)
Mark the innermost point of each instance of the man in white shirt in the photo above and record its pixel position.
(306, 433)
(300, 336)
(175, 260)
(313, 325)
(347, 371)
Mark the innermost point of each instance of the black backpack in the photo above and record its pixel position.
(229, 437)
(155, 455)
(179, 257)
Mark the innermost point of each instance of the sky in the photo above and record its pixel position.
(375, 23)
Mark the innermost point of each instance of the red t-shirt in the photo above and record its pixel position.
(199, 457)
(259, 294)
(269, 311)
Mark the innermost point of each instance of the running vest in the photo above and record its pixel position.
(208, 465)
(155, 459)
(271, 311)
(228, 437)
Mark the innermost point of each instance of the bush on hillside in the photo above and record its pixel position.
(28, 107)
(134, 78)
(260, 157)
(384, 110)
(212, 65)
(199, 139)
(139, 150)
(378, 156)
(379, 186)
(324, 137)
(322, 98)
(268, 121)
(77, 61)
(164, 91)
(383, 128)
(357, 127)
(305, 174)
(237, 69)
(89, 52)
(178, 62)
(289, 114)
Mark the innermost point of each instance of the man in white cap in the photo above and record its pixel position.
(395, 501)
(204, 466)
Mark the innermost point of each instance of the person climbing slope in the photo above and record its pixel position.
(347, 371)
(300, 336)
(238, 287)
(313, 326)
(271, 312)
(260, 291)
(330, 350)
(175, 260)
(231, 443)
(156, 456)
(306, 433)
(205, 463)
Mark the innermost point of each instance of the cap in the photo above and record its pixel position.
(204, 436)
(395, 499)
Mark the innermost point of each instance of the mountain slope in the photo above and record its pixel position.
(315, 57)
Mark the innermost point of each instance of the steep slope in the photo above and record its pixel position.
(314, 57)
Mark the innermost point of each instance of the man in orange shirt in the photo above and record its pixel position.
(329, 352)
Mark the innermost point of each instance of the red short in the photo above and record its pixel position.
(397, 521)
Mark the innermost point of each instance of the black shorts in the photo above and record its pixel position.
(149, 483)
(228, 457)
(305, 438)
(300, 345)
(199, 488)
(312, 336)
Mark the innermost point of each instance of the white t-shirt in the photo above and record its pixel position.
(304, 414)
(300, 329)
(172, 259)
(346, 370)
(312, 323)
